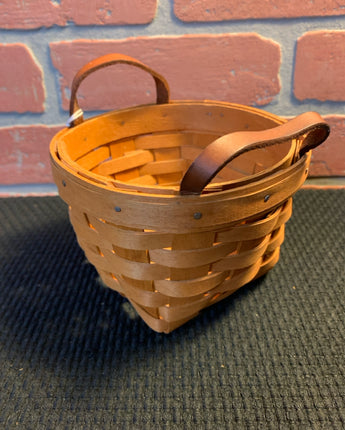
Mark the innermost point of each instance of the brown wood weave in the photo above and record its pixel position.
(170, 254)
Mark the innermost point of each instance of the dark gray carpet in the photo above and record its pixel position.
(73, 355)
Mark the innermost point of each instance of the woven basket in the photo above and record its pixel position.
(179, 204)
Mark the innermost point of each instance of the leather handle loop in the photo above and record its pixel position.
(76, 114)
(309, 126)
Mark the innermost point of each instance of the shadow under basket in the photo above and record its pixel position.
(179, 204)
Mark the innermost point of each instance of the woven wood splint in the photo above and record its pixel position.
(179, 204)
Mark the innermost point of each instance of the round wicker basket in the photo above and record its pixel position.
(179, 204)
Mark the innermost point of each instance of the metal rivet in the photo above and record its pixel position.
(266, 198)
(117, 209)
(197, 215)
(306, 172)
(63, 183)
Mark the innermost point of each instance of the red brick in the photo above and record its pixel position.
(21, 80)
(29, 14)
(45, 13)
(320, 63)
(24, 154)
(240, 68)
(220, 10)
(329, 158)
(105, 12)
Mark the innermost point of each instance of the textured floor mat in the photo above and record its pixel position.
(74, 355)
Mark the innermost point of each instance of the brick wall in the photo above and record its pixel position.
(284, 57)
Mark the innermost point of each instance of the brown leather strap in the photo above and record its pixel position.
(109, 60)
(223, 150)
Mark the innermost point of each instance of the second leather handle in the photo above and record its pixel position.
(225, 149)
(162, 86)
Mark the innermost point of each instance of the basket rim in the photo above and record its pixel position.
(56, 148)
(246, 189)
(177, 212)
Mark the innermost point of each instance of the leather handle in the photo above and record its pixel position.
(76, 116)
(222, 151)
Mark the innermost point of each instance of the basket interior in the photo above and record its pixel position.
(154, 145)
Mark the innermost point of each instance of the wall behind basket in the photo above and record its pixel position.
(284, 57)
